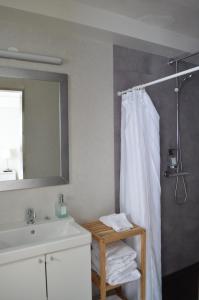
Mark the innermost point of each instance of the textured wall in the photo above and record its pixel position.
(180, 223)
(89, 64)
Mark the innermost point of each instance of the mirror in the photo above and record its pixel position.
(33, 129)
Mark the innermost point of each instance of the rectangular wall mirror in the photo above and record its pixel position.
(33, 129)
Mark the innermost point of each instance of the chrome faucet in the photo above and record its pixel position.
(30, 216)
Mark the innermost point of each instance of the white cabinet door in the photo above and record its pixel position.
(23, 280)
(69, 274)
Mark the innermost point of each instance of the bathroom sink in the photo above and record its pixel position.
(37, 233)
(23, 241)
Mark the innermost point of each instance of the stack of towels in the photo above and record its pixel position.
(121, 266)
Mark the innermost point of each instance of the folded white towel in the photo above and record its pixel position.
(120, 262)
(113, 272)
(116, 250)
(115, 267)
(118, 222)
(124, 277)
(120, 277)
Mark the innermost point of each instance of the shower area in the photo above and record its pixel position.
(177, 103)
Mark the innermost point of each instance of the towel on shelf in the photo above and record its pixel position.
(121, 266)
(115, 273)
(116, 266)
(118, 222)
(124, 277)
(128, 274)
(116, 250)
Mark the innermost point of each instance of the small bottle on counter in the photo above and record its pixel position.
(60, 207)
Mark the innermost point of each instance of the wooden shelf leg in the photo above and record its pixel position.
(102, 270)
(143, 266)
(120, 293)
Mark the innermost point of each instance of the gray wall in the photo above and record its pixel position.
(180, 223)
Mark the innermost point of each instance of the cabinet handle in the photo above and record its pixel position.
(53, 258)
(40, 261)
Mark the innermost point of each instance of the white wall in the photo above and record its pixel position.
(89, 65)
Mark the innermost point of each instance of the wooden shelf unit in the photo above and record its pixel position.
(104, 235)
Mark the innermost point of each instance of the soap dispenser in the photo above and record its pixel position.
(60, 208)
(172, 163)
(172, 158)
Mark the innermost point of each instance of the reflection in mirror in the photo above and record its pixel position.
(33, 129)
(11, 149)
(31, 150)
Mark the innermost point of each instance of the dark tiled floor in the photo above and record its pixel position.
(182, 285)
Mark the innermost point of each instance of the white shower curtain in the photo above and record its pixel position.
(140, 182)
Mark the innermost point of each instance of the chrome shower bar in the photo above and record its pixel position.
(163, 79)
(178, 59)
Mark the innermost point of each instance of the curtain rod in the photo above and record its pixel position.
(195, 69)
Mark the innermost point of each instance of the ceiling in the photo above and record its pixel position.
(165, 27)
(181, 16)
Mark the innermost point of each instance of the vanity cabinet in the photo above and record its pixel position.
(23, 280)
(63, 275)
(69, 274)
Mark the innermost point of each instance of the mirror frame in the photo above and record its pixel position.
(63, 177)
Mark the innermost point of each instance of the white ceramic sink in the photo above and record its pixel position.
(37, 233)
(23, 241)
